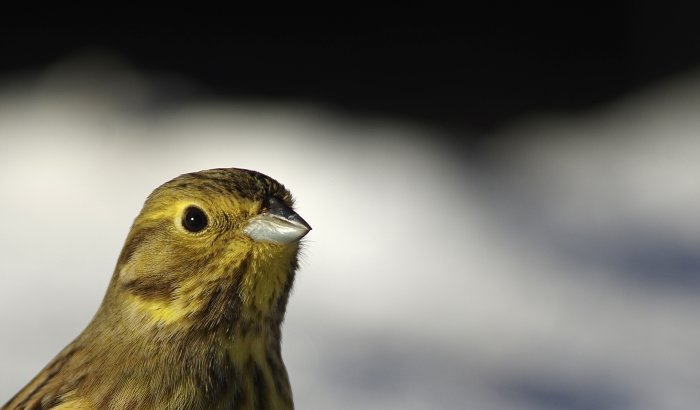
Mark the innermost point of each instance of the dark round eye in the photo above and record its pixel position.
(194, 219)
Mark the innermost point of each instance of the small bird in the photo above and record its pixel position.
(191, 318)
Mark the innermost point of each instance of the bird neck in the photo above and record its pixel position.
(241, 365)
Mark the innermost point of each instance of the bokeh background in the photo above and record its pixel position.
(505, 207)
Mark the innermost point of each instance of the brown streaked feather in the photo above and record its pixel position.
(46, 389)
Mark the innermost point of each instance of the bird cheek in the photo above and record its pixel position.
(127, 271)
(237, 250)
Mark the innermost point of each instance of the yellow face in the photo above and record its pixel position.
(209, 249)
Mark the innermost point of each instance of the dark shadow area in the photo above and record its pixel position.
(483, 68)
(641, 259)
(377, 368)
(556, 395)
(605, 239)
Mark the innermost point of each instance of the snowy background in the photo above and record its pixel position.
(556, 267)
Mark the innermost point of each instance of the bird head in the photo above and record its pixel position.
(210, 249)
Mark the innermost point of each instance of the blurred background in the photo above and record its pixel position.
(505, 205)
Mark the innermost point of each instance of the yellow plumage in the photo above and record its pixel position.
(191, 318)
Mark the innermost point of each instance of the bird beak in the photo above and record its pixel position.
(278, 225)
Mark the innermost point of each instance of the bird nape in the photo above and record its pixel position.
(191, 318)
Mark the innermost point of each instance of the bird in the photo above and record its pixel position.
(192, 315)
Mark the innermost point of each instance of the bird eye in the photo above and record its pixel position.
(194, 219)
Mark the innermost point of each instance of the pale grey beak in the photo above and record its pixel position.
(279, 224)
